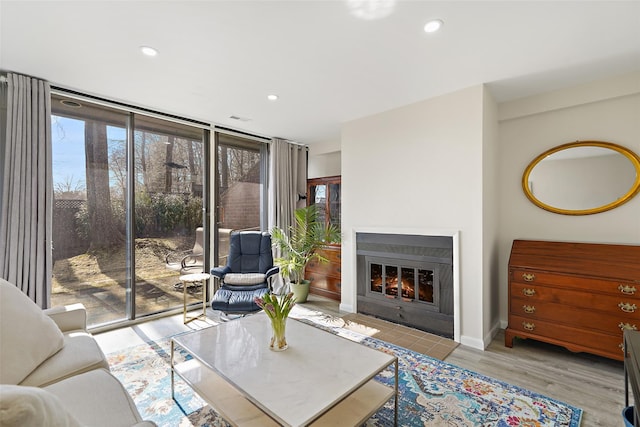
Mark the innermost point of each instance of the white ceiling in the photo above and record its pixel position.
(221, 58)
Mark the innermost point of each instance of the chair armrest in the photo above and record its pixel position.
(173, 257)
(273, 270)
(192, 260)
(219, 272)
(68, 317)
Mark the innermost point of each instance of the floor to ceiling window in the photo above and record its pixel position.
(129, 200)
(240, 177)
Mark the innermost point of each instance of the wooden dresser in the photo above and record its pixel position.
(581, 296)
(325, 277)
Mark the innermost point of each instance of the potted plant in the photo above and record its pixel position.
(300, 245)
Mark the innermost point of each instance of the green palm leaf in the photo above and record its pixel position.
(301, 243)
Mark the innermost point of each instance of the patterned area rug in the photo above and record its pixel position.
(432, 392)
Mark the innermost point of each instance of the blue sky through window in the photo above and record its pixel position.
(68, 151)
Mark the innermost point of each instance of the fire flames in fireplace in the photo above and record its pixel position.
(407, 279)
(411, 280)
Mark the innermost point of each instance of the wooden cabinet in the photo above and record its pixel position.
(326, 194)
(582, 296)
(325, 278)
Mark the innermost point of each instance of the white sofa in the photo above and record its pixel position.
(52, 371)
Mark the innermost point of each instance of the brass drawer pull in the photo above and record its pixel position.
(529, 308)
(528, 292)
(627, 290)
(621, 346)
(628, 326)
(528, 277)
(627, 308)
(528, 326)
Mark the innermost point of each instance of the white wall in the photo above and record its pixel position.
(324, 164)
(420, 168)
(490, 219)
(324, 159)
(607, 110)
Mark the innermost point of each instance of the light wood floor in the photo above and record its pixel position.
(592, 383)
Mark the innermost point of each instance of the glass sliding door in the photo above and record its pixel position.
(169, 171)
(239, 184)
(128, 209)
(89, 222)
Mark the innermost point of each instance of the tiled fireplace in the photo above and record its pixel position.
(407, 279)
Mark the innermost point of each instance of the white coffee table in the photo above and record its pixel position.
(320, 380)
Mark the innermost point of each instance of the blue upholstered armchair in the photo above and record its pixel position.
(248, 273)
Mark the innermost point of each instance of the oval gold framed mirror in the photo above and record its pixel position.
(582, 178)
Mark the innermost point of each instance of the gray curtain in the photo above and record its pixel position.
(287, 185)
(26, 186)
(287, 181)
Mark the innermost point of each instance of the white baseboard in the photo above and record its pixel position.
(472, 342)
(492, 334)
(347, 307)
(483, 343)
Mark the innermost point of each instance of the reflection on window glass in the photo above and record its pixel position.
(320, 200)
(321, 194)
(425, 285)
(334, 204)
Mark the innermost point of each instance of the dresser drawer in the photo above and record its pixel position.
(622, 304)
(328, 283)
(323, 268)
(625, 288)
(326, 287)
(574, 316)
(333, 254)
(575, 339)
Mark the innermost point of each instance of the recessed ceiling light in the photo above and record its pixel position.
(149, 51)
(242, 119)
(433, 26)
(70, 104)
(272, 97)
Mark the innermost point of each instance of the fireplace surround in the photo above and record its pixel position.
(407, 279)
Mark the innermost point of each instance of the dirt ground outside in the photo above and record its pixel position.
(98, 280)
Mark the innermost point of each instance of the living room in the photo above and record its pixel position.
(457, 153)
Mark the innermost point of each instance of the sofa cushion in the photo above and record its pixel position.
(28, 336)
(97, 398)
(32, 406)
(81, 353)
